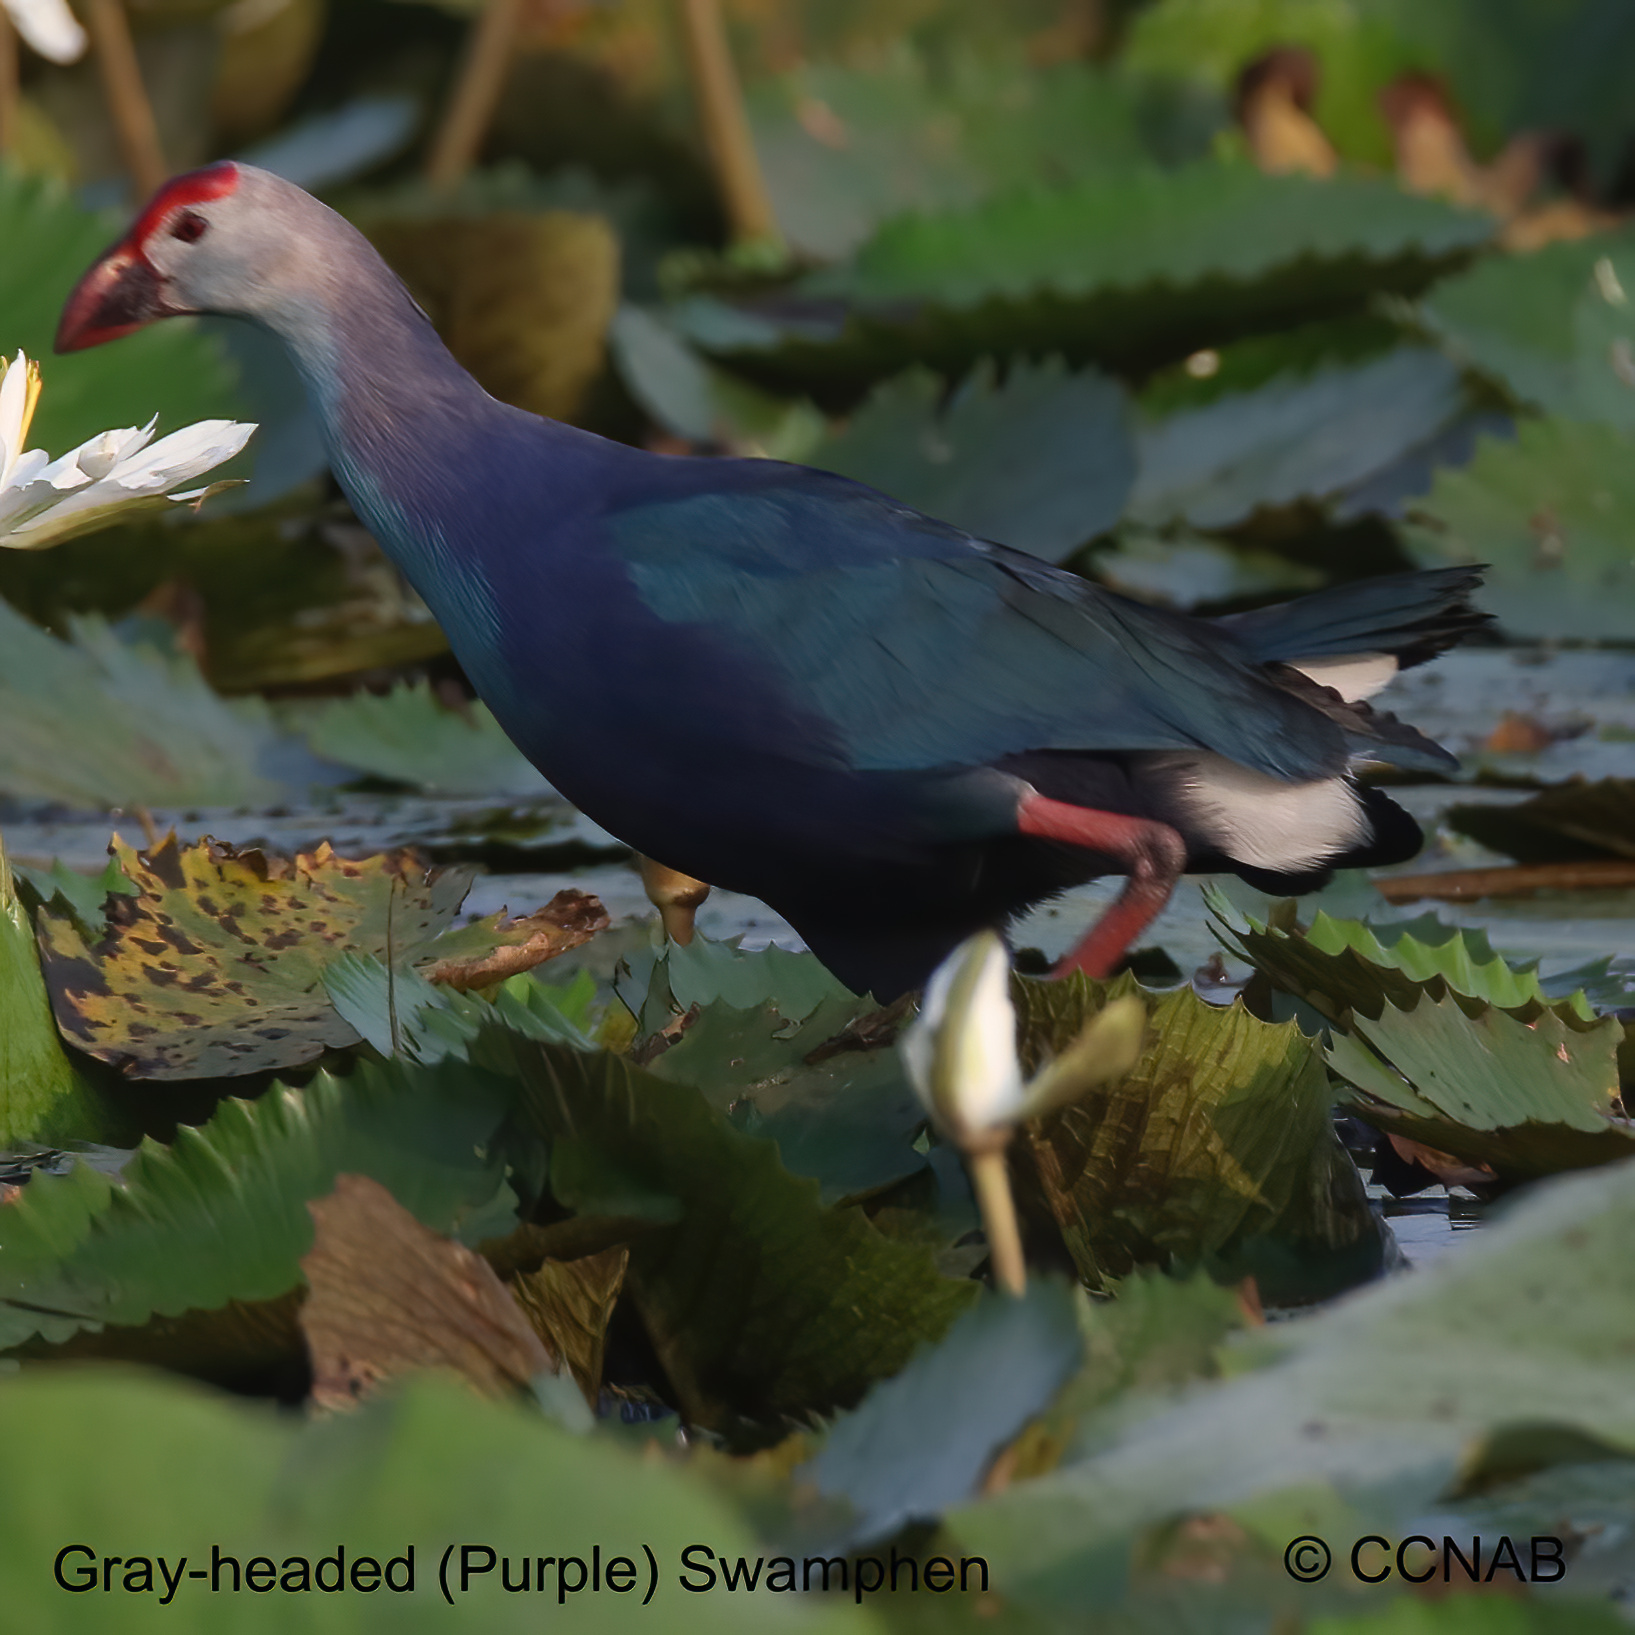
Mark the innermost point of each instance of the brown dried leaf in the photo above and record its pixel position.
(1274, 108)
(389, 1296)
(569, 1303)
(569, 919)
(1450, 1171)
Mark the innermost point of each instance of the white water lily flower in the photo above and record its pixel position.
(961, 1050)
(49, 27)
(45, 501)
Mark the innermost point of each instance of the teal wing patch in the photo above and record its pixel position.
(927, 649)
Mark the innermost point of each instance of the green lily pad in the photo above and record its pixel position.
(1551, 512)
(1364, 1416)
(1343, 966)
(1215, 1151)
(43, 1095)
(1548, 325)
(1523, 1099)
(407, 736)
(183, 1473)
(918, 1443)
(1042, 461)
(221, 1215)
(846, 148)
(95, 722)
(760, 1302)
(841, 1112)
(1304, 435)
(1131, 271)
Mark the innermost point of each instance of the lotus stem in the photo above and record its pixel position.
(126, 95)
(10, 85)
(726, 126)
(991, 1182)
(476, 94)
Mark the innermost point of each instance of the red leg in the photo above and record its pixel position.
(1153, 855)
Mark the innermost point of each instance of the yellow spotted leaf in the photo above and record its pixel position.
(214, 967)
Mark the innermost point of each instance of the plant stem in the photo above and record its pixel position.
(991, 1182)
(476, 94)
(10, 92)
(726, 125)
(127, 97)
(1461, 885)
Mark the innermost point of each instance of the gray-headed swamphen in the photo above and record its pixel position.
(788, 684)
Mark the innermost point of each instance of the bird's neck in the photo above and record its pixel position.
(411, 437)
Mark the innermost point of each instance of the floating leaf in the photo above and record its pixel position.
(1367, 1412)
(1521, 1099)
(1134, 270)
(919, 1443)
(407, 736)
(97, 723)
(1549, 325)
(43, 1096)
(838, 1105)
(1557, 825)
(1300, 436)
(1160, 1335)
(1216, 1150)
(1041, 462)
(221, 1214)
(216, 966)
(1200, 222)
(660, 984)
(1189, 572)
(846, 148)
(387, 1297)
(759, 1302)
(1551, 512)
(206, 1477)
(1342, 966)
(693, 398)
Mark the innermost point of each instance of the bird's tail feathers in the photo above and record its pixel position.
(1407, 617)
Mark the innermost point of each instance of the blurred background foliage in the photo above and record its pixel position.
(1215, 301)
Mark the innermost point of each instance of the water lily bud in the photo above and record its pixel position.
(1107, 1048)
(961, 1051)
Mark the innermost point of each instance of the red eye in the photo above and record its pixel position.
(189, 227)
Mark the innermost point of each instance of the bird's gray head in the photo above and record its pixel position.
(226, 239)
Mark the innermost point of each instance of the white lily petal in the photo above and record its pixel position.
(25, 470)
(101, 454)
(13, 395)
(64, 473)
(184, 454)
(49, 27)
(21, 504)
